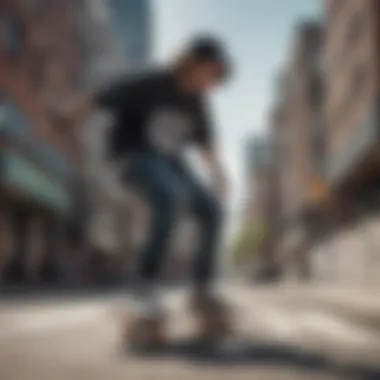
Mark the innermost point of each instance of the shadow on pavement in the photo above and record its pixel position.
(257, 354)
(16, 294)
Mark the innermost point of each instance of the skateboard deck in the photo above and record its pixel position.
(144, 334)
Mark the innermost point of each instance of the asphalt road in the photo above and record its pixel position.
(279, 335)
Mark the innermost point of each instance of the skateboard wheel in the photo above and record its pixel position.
(144, 333)
(212, 327)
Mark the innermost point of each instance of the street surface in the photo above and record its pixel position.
(281, 334)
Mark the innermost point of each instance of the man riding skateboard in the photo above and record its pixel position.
(158, 115)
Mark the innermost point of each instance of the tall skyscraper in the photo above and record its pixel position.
(132, 22)
(106, 63)
(119, 39)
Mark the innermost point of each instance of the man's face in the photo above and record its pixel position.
(205, 76)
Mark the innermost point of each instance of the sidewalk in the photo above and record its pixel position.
(359, 305)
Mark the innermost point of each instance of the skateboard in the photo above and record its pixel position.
(146, 333)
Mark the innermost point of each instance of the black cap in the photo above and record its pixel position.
(211, 49)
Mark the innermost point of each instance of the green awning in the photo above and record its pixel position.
(18, 173)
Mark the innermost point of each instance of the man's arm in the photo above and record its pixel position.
(115, 95)
(211, 159)
(111, 97)
(208, 151)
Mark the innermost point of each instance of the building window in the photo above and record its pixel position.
(13, 36)
(351, 39)
(78, 80)
(319, 154)
(53, 107)
(37, 6)
(356, 85)
(3, 98)
(335, 8)
(75, 71)
(358, 81)
(36, 68)
(315, 63)
(315, 91)
(356, 28)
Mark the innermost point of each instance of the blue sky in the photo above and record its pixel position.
(259, 34)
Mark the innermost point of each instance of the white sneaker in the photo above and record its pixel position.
(148, 304)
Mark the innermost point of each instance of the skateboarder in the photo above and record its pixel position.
(158, 115)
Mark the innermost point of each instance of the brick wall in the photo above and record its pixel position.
(351, 67)
(46, 66)
(298, 121)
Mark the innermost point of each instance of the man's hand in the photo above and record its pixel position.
(218, 177)
(220, 184)
(81, 107)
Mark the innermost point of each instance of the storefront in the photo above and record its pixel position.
(37, 197)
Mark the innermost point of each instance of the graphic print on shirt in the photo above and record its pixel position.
(168, 130)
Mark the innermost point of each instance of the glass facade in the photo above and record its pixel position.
(258, 153)
(132, 23)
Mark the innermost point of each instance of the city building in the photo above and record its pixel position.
(276, 215)
(298, 129)
(352, 99)
(133, 27)
(258, 165)
(116, 216)
(42, 57)
(105, 63)
(351, 59)
(261, 203)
